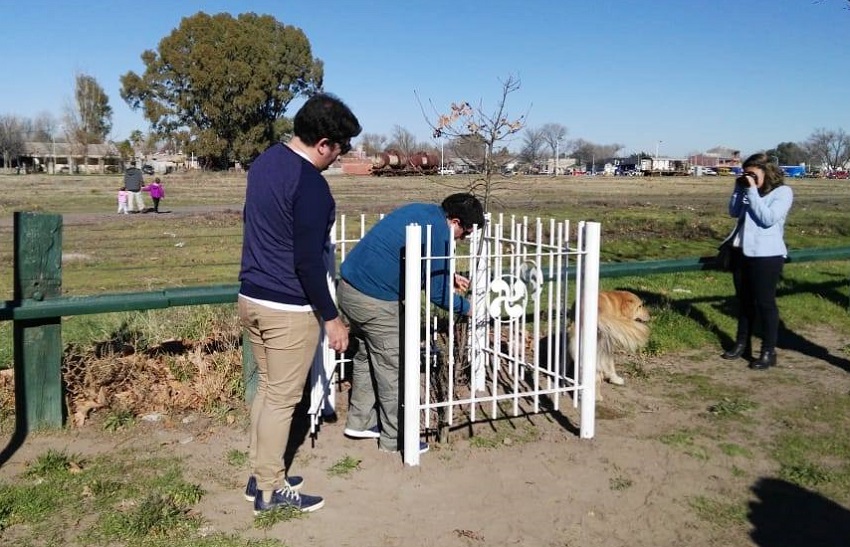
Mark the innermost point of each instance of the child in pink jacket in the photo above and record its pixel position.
(157, 192)
(123, 195)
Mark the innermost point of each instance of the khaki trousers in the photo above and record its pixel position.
(284, 345)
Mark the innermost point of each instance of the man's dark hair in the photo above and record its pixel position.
(466, 208)
(324, 116)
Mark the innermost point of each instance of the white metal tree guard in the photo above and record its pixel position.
(513, 348)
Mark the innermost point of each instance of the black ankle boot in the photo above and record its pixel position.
(767, 359)
(735, 351)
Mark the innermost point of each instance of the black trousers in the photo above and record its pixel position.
(756, 279)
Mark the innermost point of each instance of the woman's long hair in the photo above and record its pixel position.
(773, 175)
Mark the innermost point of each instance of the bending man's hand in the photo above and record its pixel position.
(461, 283)
(337, 335)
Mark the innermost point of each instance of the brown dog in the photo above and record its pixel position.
(621, 327)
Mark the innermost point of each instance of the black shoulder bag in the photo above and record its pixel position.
(723, 262)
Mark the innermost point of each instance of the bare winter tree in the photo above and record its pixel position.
(403, 140)
(830, 147)
(588, 153)
(488, 129)
(532, 145)
(373, 143)
(11, 139)
(88, 120)
(553, 135)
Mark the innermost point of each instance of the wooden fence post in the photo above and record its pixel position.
(37, 342)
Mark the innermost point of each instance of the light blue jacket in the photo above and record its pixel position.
(764, 219)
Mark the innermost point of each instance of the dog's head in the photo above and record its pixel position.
(624, 304)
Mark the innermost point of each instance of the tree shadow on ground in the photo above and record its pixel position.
(786, 515)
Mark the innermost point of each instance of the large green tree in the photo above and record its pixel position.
(789, 153)
(223, 84)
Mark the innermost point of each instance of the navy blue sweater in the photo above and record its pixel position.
(288, 214)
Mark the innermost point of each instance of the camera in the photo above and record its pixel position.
(743, 181)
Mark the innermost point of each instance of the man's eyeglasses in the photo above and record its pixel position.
(344, 148)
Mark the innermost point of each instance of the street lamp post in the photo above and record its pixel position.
(557, 143)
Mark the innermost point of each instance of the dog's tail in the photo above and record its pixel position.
(620, 334)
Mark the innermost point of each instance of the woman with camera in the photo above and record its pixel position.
(760, 202)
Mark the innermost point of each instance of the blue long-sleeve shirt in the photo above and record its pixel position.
(374, 266)
(288, 214)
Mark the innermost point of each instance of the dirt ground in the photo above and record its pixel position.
(540, 485)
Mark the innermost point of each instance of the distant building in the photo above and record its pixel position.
(719, 156)
(64, 157)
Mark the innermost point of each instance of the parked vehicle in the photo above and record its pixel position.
(147, 169)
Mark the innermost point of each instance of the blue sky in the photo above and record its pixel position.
(692, 75)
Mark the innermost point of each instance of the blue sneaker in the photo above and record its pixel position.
(286, 497)
(295, 483)
(371, 433)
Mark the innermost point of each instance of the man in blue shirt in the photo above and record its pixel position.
(370, 295)
(283, 295)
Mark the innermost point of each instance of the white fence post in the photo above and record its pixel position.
(588, 325)
(412, 292)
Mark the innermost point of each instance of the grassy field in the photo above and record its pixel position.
(199, 241)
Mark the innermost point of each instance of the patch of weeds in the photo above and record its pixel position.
(619, 483)
(738, 472)
(182, 369)
(118, 419)
(344, 467)
(805, 474)
(684, 440)
(237, 458)
(53, 463)
(155, 515)
(734, 450)
(730, 407)
(267, 519)
(814, 449)
(505, 435)
(28, 504)
(220, 412)
(636, 370)
(719, 513)
(701, 387)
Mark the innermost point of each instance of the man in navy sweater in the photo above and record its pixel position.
(370, 296)
(284, 296)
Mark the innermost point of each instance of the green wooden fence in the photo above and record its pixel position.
(38, 307)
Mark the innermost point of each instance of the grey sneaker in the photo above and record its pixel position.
(371, 433)
(287, 497)
(295, 483)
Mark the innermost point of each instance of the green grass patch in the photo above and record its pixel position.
(684, 440)
(237, 458)
(504, 433)
(268, 519)
(719, 513)
(735, 450)
(114, 499)
(813, 450)
(731, 407)
(344, 467)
